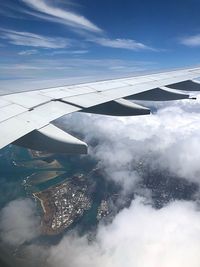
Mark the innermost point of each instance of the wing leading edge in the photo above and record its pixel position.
(26, 118)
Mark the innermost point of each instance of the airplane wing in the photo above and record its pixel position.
(26, 118)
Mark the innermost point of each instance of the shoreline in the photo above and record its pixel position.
(44, 176)
(41, 202)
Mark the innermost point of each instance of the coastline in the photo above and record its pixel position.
(41, 202)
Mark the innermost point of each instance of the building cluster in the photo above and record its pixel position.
(70, 202)
(103, 210)
(62, 205)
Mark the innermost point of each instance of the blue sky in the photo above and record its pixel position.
(64, 39)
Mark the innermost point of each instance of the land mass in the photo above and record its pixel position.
(62, 205)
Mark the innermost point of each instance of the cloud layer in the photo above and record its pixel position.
(19, 222)
(139, 236)
(168, 140)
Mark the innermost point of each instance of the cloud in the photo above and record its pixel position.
(47, 11)
(18, 222)
(45, 71)
(33, 40)
(121, 43)
(59, 15)
(68, 52)
(80, 25)
(139, 236)
(167, 141)
(28, 52)
(192, 41)
(79, 52)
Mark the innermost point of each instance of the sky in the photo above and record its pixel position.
(74, 41)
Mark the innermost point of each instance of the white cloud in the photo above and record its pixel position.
(68, 52)
(49, 12)
(167, 141)
(33, 40)
(28, 52)
(18, 222)
(81, 25)
(62, 16)
(121, 43)
(139, 236)
(192, 41)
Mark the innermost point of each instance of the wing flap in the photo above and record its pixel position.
(18, 126)
(27, 99)
(87, 100)
(13, 129)
(10, 111)
(3, 103)
(48, 112)
(107, 85)
(66, 91)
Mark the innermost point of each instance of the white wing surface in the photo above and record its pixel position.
(26, 118)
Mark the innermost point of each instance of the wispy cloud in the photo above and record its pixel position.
(192, 41)
(68, 52)
(87, 30)
(79, 22)
(33, 40)
(61, 16)
(28, 52)
(121, 43)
